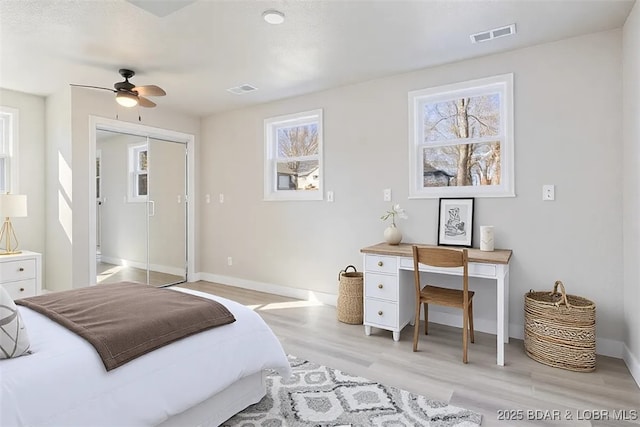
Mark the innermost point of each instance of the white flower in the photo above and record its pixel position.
(395, 210)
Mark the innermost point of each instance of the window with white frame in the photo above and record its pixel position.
(461, 139)
(138, 172)
(293, 157)
(8, 150)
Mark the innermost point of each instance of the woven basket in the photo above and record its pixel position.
(560, 329)
(350, 305)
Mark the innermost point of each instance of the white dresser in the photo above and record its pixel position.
(21, 274)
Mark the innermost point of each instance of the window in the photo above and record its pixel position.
(461, 139)
(138, 172)
(293, 157)
(8, 150)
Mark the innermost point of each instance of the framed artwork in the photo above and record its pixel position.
(455, 222)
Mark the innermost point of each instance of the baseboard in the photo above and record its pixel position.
(270, 288)
(605, 347)
(632, 363)
(176, 271)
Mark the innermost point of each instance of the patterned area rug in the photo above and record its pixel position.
(319, 396)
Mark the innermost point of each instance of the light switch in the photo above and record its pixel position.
(221, 198)
(548, 192)
(207, 198)
(329, 196)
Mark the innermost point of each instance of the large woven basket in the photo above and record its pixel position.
(350, 304)
(560, 329)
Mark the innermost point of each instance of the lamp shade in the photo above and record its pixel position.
(126, 99)
(13, 205)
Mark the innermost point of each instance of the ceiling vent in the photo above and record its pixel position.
(239, 90)
(484, 36)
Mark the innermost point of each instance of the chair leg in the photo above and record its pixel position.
(426, 318)
(471, 320)
(416, 326)
(465, 334)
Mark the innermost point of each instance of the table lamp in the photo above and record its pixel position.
(11, 205)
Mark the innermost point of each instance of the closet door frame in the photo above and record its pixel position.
(101, 123)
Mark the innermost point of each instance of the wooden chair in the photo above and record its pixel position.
(463, 299)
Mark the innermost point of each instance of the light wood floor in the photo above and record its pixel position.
(109, 273)
(436, 371)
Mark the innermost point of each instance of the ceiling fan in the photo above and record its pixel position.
(129, 95)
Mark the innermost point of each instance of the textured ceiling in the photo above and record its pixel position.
(206, 46)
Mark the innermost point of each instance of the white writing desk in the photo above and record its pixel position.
(389, 297)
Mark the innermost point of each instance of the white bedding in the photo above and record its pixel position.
(64, 383)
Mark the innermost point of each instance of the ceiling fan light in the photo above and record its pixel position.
(126, 99)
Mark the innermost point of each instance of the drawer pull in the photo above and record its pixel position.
(380, 263)
(380, 286)
(21, 289)
(21, 269)
(380, 313)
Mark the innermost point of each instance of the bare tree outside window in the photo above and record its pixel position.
(293, 157)
(454, 121)
(460, 139)
(298, 143)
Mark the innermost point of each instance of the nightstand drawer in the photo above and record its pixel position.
(381, 313)
(381, 286)
(21, 289)
(12, 271)
(382, 264)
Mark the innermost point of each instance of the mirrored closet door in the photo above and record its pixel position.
(141, 211)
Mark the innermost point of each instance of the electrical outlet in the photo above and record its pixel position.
(207, 198)
(221, 198)
(548, 192)
(229, 260)
(386, 193)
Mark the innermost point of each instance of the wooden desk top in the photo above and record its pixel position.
(498, 256)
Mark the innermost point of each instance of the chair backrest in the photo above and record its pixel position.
(441, 257)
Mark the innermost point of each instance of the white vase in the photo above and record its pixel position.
(392, 235)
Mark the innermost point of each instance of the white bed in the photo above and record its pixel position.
(201, 380)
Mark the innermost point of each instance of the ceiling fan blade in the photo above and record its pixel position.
(144, 102)
(93, 87)
(150, 90)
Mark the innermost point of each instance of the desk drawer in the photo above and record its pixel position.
(382, 286)
(382, 264)
(21, 289)
(476, 269)
(11, 271)
(381, 313)
(482, 270)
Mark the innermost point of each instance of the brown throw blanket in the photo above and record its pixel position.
(126, 320)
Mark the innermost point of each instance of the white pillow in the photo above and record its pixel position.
(14, 340)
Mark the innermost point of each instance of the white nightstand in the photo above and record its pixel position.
(21, 274)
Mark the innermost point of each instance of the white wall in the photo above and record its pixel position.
(31, 157)
(59, 193)
(567, 133)
(631, 195)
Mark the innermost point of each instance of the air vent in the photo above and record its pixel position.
(239, 90)
(484, 36)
